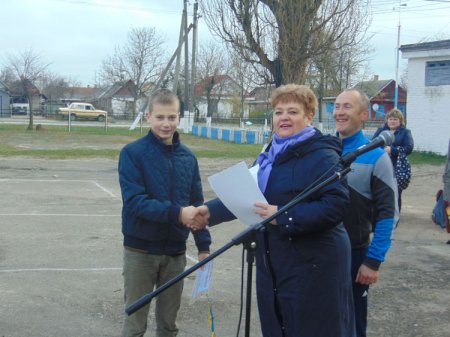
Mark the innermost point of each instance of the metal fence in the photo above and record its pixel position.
(238, 130)
(257, 131)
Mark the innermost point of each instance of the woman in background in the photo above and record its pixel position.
(395, 122)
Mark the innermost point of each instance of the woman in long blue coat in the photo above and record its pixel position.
(303, 257)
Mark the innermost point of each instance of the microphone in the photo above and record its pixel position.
(385, 138)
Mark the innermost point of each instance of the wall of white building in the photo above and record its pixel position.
(428, 106)
(121, 107)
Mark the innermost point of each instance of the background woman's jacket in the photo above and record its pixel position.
(403, 138)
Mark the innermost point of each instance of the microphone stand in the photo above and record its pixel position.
(245, 236)
(250, 247)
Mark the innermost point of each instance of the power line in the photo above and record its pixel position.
(121, 7)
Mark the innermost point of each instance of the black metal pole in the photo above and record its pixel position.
(238, 239)
(250, 247)
(148, 297)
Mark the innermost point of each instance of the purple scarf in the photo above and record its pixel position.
(266, 159)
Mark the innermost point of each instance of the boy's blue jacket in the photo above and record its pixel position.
(156, 181)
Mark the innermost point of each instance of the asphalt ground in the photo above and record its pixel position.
(61, 256)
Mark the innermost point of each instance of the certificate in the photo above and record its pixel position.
(202, 280)
(237, 188)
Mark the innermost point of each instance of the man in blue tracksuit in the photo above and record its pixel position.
(373, 195)
(159, 178)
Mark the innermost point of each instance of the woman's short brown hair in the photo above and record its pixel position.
(395, 113)
(295, 93)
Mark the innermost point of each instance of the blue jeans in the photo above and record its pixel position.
(142, 273)
(360, 293)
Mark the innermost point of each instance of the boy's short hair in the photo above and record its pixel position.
(297, 93)
(395, 113)
(162, 96)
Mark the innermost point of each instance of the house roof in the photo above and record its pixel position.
(262, 93)
(81, 93)
(372, 88)
(16, 88)
(222, 85)
(110, 91)
(442, 44)
(119, 90)
(3, 87)
(202, 85)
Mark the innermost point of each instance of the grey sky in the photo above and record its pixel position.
(76, 35)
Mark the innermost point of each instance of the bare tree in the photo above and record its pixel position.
(140, 59)
(246, 76)
(212, 67)
(283, 35)
(7, 76)
(54, 87)
(344, 65)
(338, 68)
(27, 68)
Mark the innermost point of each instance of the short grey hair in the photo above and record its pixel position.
(364, 100)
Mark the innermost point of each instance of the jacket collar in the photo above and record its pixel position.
(155, 140)
(354, 141)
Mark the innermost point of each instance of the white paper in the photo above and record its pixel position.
(238, 191)
(254, 172)
(202, 280)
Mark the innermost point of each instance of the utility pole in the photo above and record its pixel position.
(194, 52)
(186, 59)
(180, 42)
(166, 69)
(398, 55)
(169, 64)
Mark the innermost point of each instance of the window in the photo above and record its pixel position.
(437, 73)
(19, 100)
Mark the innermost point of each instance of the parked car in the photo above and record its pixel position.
(18, 110)
(82, 111)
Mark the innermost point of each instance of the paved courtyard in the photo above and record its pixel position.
(60, 258)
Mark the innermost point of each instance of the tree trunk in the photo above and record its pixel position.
(30, 106)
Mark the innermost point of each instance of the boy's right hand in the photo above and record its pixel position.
(195, 217)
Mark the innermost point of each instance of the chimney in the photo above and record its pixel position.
(375, 78)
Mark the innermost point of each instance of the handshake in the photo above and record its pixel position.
(195, 218)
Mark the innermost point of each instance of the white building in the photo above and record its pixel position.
(428, 103)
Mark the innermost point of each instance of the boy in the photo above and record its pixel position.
(159, 178)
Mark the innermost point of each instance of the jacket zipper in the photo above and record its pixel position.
(169, 156)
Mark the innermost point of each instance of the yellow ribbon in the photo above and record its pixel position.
(211, 320)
